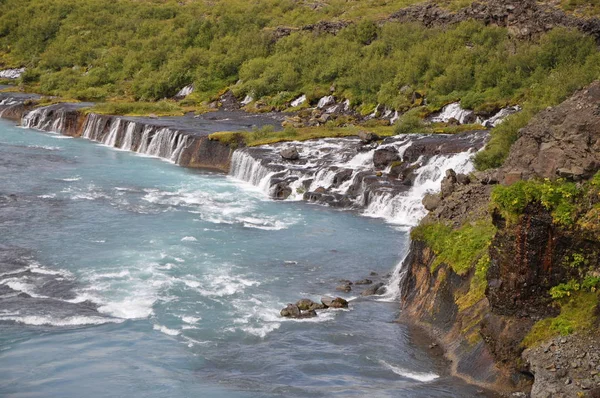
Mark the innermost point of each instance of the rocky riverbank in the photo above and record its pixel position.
(492, 319)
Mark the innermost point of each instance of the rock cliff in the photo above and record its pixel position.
(537, 277)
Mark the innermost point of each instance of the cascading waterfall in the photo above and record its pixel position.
(115, 132)
(246, 168)
(406, 208)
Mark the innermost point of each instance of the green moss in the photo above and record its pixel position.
(577, 313)
(411, 123)
(559, 197)
(478, 284)
(294, 134)
(461, 249)
(161, 108)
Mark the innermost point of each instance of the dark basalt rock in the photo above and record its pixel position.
(292, 311)
(363, 282)
(383, 157)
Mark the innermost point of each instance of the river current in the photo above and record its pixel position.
(126, 276)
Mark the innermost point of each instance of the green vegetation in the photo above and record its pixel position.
(589, 283)
(478, 284)
(502, 138)
(160, 108)
(269, 135)
(558, 196)
(148, 50)
(577, 313)
(461, 249)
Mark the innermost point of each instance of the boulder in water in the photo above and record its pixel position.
(363, 282)
(344, 288)
(291, 311)
(282, 191)
(290, 153)
(383, 157)
(367, 137)
(331, 302)
(376, 289)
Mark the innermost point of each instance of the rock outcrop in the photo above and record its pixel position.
(527, 257)
(524, 19)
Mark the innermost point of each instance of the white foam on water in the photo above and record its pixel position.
(46, 147)
(190, 319)
(422, 377)
(72, 179)
(166, 330)
(189, 239)
(43, 320)
(130, 308)
(48, 196)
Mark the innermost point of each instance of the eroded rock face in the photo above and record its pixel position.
(563, 141)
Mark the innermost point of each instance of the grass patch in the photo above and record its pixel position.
(559, 197)
(161, 108)
(461, 249)
(478, 284)
(270, 136)
(577, 313)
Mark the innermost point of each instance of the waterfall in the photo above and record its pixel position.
(184, 92)
(127, 144)
(11, 73)
(454, 111)
(111, 138)
(115, 132)
(406, 208)
(246, 168)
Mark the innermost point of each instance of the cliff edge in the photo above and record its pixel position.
(505, 269)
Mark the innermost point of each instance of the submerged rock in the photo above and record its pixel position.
(344, 288)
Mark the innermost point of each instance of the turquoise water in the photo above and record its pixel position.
(123, 275)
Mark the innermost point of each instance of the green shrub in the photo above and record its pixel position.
(461, 249)
(411, 123)
(559, 197)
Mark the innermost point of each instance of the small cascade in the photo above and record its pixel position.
(127, 144)
(406, 208)
(8, 103)
(342, 172)
(111, 138)
(48, 118)
(454, 111)
(247, 168)
(184, 92)
(11, 73)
